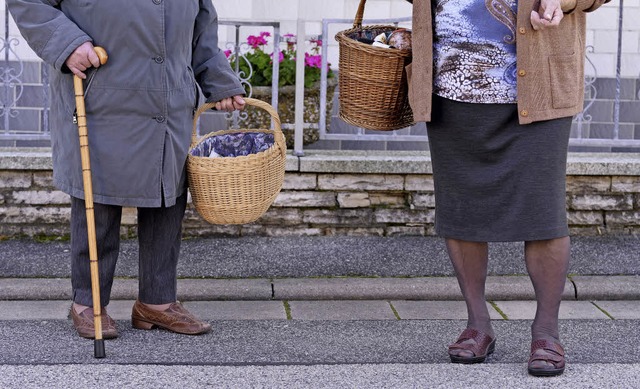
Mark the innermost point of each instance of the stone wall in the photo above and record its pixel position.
(331, 193)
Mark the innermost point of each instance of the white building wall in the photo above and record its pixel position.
(602, 34)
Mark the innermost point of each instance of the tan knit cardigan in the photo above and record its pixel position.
(550, 63)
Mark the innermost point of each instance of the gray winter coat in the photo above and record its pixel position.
(162, 55)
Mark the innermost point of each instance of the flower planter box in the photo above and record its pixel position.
(258, 118)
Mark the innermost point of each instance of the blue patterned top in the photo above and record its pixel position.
(475, 50)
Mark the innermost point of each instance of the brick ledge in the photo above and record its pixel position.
(364, 162)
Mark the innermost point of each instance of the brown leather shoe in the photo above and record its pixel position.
(482, 346)
(176, 318)
(546, 358)
(83, 323)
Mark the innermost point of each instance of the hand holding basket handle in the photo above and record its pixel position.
(236, 190)
(88, 200)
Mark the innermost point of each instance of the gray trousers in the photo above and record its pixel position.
(159, 238)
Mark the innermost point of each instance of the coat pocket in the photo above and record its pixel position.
(565, 80)
(198, 95)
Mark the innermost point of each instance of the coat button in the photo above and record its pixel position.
(522, 72)
(157, 2)
(524, 112)
(159, 59)
(160, 119)
(522, 30)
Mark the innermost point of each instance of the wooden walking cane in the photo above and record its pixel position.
(98, 345)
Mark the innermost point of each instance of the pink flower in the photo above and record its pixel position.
(256, 41)
(227, 53)
(280, 57)
(317, 42)
(314, 61)
(291, 42)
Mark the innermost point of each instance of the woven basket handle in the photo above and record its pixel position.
(277, 127)
(357, 22)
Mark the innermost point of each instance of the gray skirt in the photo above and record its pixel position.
(496, 180)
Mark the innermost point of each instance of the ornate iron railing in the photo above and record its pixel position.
(22, 120)
(238, 51)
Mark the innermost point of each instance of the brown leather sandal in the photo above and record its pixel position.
(547, 351)
(484, 345)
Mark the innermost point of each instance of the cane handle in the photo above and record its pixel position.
(102, 54)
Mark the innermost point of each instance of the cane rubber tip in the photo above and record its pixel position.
(98, 348)
(102, 54)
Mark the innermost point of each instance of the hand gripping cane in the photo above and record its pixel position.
(98, 345)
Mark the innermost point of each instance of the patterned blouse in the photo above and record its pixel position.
(475, 50)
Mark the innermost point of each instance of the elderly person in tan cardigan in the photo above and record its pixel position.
(499, 81)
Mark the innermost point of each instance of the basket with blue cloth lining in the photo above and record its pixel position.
(235, 175)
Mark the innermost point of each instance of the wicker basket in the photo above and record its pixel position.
(372, 80)
(236, 190)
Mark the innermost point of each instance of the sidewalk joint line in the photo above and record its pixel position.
(575, 287)
(287, 309)
(602, 310)
(495, 306)
(394, 311)
(273, 289)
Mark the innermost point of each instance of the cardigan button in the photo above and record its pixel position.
(157, 2)
(522, 72)
(160, 119)
(524, 112)
(522, 30)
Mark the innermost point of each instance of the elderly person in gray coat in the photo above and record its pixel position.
(163, 58)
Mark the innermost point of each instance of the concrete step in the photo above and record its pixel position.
(582, 288)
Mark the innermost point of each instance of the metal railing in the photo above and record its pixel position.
(358, 132)
(580, 133)
(20, 120)
(12, 88)
(239, 50)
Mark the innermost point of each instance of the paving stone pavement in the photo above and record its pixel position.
(320, 313)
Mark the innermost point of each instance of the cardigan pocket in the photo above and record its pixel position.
(564, 78)
(410, 91)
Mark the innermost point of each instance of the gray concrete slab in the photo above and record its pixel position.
(613, 287)
(416, 288)
(621, 310)
(127, 289)
(120, 309)
(203, 289)
(347, 288)
(392, 376)
(35, 288)
(224, 289)
(237, 310)
(34, 310)
(526, 310)
(123, 288)
(341, 310)
(436, 310)
(282, 342)
(518, 288)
